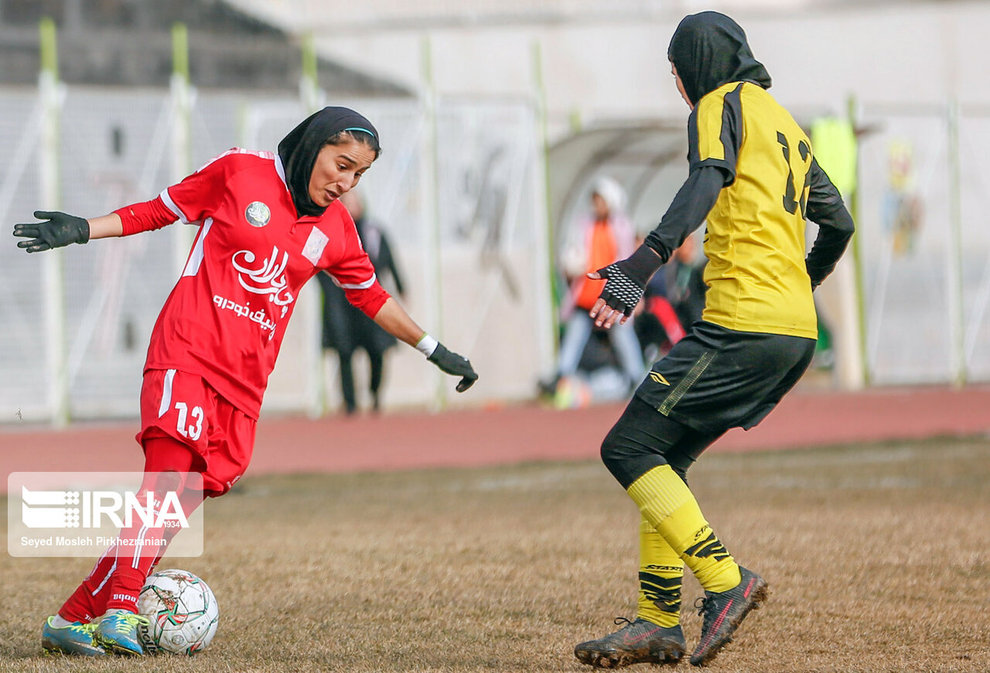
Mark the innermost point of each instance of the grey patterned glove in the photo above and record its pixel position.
(626, 279)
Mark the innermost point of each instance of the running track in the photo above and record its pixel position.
(509, 434)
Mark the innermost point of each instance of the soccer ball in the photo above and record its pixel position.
(182, 613)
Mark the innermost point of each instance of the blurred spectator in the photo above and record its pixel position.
(345, 328)
(602, 237)
(673, 300)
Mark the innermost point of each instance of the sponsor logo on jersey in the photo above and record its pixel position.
(257, 214)
(315, 245)
(244, 311)
(266, 277)
(658, 377)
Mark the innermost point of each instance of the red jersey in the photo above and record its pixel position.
(225, 318)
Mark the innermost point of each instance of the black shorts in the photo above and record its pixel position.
(716, 378)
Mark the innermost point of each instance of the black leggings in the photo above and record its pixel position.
(643, 438)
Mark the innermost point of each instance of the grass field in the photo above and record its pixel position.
(877, 558)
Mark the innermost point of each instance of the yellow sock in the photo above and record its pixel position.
(668, 504)
(660, 574)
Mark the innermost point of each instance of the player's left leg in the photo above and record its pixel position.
(655, 636)
(661, 573)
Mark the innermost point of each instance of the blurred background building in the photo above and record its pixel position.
(128, 43)
(497, 115)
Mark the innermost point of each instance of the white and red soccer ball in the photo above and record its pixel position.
(182, 613)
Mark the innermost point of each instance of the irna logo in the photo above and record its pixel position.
(95, 509)
(84, 513)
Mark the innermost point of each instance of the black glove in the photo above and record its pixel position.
(455, 365)
(57, 230)
(626, 279)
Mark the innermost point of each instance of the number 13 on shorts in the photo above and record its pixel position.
(193, 430)
(178, 404)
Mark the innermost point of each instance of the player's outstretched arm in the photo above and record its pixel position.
(392, 318)
(57, 229)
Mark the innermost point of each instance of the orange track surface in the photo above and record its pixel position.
(510, 434)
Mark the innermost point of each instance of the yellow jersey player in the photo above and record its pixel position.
(753, 176)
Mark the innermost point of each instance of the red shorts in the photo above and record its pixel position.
(187, 409)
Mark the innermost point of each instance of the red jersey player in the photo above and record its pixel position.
(267, 224)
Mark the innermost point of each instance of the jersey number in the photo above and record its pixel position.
(193, 430)
(791, 202)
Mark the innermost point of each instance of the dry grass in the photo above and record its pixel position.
(877, 557)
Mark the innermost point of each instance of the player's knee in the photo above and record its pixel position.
(163, 482)
(626, 460)
(613, 450)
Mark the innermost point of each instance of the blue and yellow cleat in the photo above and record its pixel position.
(117, 632)
(77, 638)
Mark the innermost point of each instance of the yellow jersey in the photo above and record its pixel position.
(755, 238)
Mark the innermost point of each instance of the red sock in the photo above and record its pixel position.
(119, 574)
(89, 598)
(134, 564)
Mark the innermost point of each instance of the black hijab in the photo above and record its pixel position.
(299, 149)
(709, 49)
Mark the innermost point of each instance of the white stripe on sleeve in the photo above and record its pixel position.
(166, 402)
(196, 256)
(357, 286)
(170, 204)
